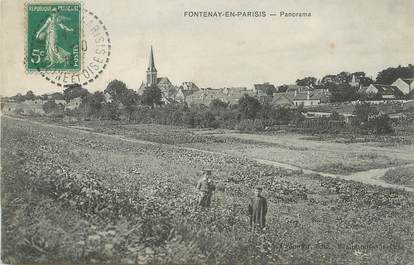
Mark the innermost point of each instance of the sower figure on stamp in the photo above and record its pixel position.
(54, 53)
(206, 187)
(257, 210)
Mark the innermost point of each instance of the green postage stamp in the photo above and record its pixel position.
(53, 36)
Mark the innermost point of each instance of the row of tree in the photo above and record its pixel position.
(248, 114)
(385, 77)
(339, 84)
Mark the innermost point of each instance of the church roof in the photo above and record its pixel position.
(278, 97)
(151, 65)
(317, 94)
(190, 86)
(163, 80)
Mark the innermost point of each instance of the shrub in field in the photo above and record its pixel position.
(401, 175)
(249, 106)
(382, 125)
(208, 120)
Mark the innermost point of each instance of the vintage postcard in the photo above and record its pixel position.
(207, 132)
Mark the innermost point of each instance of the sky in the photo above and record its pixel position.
(351, 36)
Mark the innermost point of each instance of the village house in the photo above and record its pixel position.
(204, 96)
(73, 103)
(230, 95)
(189, 86)
(281, 100)
(380, 91)
(182, 94)
(27, 107)
(264, 98)
(60, 102)
(183, 91)
(234, 90)
(311, 97)
(405, 85)
(294, 89)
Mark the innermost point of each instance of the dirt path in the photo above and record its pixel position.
(370, 177)
(403, 152)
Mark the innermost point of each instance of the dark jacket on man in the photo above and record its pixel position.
(206, 187)
(258, 211)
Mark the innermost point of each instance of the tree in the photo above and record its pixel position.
(18, 97)
(307, 81)
(343, 77)
(92, 104)
(74, 91)
(117, 89)
(358, 75)
(110, 111)
(341, 92)
(268, 89)
(389, 75)
(266, 111)
(208, 119)
(382, 124)
(365, 81)
(249, 106)
(218, 104)
(281, 115)
(282, 88)
(50, 106)
(122, 95)
(152, 96)
(57, 96)
(30, 95)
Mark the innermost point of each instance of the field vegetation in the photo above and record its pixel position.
(288, 148)
(71, 196)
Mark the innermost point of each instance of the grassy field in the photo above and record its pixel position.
(327, 156)
(72, 196)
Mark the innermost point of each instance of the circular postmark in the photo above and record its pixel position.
(95, 49)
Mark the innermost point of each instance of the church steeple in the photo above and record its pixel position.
(151, 71)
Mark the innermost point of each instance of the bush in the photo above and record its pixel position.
(249, 106)
(208, 120)
(382, 125)
(401, 176)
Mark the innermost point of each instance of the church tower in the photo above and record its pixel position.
(353, 82)
(151, 71)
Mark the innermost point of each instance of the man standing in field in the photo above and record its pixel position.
(206, 188)
(258, 210)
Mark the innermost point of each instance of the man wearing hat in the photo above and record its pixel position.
(206, 188)
(258, 210)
